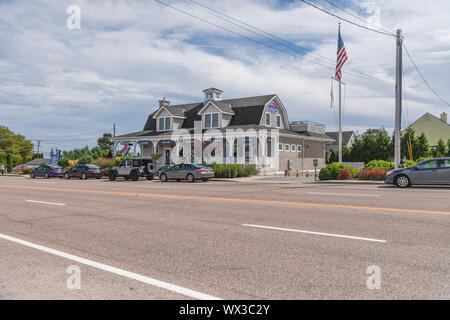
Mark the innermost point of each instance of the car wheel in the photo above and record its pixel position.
(163, 178)
(190, 178)
(402, 181)
(83, 176)
(126, 178)
(150, 177)
(134, 176)
(46, 176)
(112, 176)
(205, 180)
(32, 175)
(66, 176)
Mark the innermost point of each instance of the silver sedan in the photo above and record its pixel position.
(433, 171)
(187, 171)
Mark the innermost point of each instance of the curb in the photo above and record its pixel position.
(349, 182)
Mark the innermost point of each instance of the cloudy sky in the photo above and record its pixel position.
(66, 86)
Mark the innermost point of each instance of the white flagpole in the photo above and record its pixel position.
(340, 114)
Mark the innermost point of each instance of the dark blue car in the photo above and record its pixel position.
(47, 172)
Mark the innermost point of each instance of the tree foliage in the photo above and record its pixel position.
(14, 148)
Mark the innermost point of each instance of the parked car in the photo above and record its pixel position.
(432, 171)
(84, 171)
(134, 169)
(187, 171)
(47, 172)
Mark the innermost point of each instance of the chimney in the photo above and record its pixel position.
(213, 94)
(444, 117)
(164, 103)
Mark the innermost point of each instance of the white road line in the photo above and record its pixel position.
(43, 202)
(120, 272)
(344, 194)
(312, 232)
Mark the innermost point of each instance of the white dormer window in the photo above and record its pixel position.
(211, 120)
(278, 121)
(164, 124)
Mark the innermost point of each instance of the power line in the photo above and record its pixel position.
(343, 19)
(355, 16)
(283, 42)
(423, 78)
(360, 75)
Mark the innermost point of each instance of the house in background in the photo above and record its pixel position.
(434, 128)
(252, 122)
(348, 138)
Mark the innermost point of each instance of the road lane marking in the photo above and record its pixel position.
(344, 194)
(315, 233)
(43, 202)
(190, 197)
(120, 272)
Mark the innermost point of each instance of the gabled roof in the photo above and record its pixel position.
(37, 162)
(175, 112)
(222, 106)
(247, 111)
(427, 114)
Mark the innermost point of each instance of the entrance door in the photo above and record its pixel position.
(167, 156)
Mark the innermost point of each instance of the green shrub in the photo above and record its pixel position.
(379, 164)
(63, 162)
(422, 159)
(26, 170)
(331, 171)
(236, 170)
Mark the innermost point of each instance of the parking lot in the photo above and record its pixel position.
(222, 239)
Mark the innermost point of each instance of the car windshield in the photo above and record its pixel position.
(197, 166)
(91, 166)
(54, 167)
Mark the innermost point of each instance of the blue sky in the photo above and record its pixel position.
(71, 85)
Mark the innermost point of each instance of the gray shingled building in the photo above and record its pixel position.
(253, 130)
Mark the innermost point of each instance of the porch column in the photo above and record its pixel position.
(230, 150)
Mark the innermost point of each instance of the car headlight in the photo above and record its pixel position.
(389, 173)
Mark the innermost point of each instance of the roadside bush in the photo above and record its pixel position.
(379, 164)
(105, 164)
(345, 174)
(236, 170)
(72, 163)
(26, 170)
(422, 159)
(331, 171)
(373, 174)
(409, 163)
(63, 162)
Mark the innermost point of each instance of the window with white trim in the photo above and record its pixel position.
(211, 120)
(278, 121)
(280, 147)
(286, 147)
(293, 148)
(164, 124)
(299, 148)
(268, 119)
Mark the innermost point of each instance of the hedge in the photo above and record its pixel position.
(379, 164)
(331, 171)
(236, 170)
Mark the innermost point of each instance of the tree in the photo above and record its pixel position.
(14, 148)
(441, 149)
(448, 148)
(374, 144)
(422, 149)
(105, 143)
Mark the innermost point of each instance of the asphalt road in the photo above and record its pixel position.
(221, 239)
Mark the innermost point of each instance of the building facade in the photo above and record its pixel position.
(434, 128)
(248, 131)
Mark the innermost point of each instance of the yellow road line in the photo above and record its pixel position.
(189, 197)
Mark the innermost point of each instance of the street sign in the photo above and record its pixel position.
(316, 162)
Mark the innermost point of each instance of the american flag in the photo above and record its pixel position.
(341, 56)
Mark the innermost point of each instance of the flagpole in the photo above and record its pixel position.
(340, 114)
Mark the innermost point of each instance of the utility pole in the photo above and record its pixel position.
(114, 130)
(398, 99)
(39, 144)
(340, 121)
